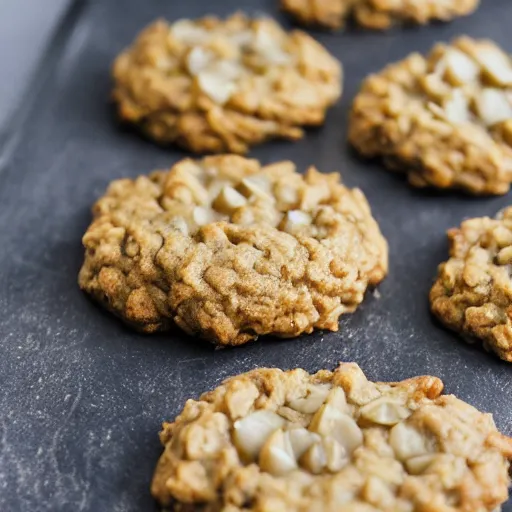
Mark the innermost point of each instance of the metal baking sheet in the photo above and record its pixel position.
(82, 397)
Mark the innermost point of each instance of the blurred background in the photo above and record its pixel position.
(25, 26)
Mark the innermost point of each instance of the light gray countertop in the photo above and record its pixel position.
(25, 28)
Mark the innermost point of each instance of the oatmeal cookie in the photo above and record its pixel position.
(376, 14)
(273, 441)
(473, 291)
(445, 120)
(216, 85)
(229, 250)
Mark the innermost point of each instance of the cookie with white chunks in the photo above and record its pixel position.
(445, 120)
(472, 294)
(229, 250)
(376, 14)
(214, 86)
(270, 440)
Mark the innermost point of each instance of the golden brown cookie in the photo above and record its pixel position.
(216, 85)
(444, 120)
(277, 441)
(473, 291)
(376, 14)
(230, 250)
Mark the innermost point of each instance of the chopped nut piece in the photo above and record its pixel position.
(406, 441)
(314, 459)
(187, 32)
(269, 47)
(493, 106)
(329, 422)
(460, 69)
(385, 411)
(228, 200)
(456, 107)
(199, 59)
(502, 235)
(218, 88)
(252, 432)
(434, 86)
(243, 38)
(314, 398)
(378, 493)
(288, 196)
(504, 257)
(335, 454)
(417, 465)
(295, 219)
(337, 399)
(228, 70)
(495, 63)
(276, 456)
(202, 216)
(258, 186)
(301, 439)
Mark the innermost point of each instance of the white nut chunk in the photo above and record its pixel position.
(406, 441)
(497, 65)
(277, 456)
(202, 216)
(504, 257)
(385, 411)
(269, 47)
(187, 32)
(330, 422)
(288, 196)
(314, 459)
(218, 88)
(337, 399)
(460, 69)
(493, 106)
(258, 186)
(227, 69)
(199, 59)
(301, 439)
(327, 454)
(295, 219)
(251, 432)
(228, 200)
(435, 86)
(456, 107)
(419, 464)
(335, 453)
(311, 402)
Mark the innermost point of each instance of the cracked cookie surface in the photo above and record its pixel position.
(473, 291)
(230, 250)
(444, 120)
(215, 85)
(376, 14)
(270, 440)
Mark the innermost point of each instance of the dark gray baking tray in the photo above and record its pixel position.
(82, 397)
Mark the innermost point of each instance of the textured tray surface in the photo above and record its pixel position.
(82, 396)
